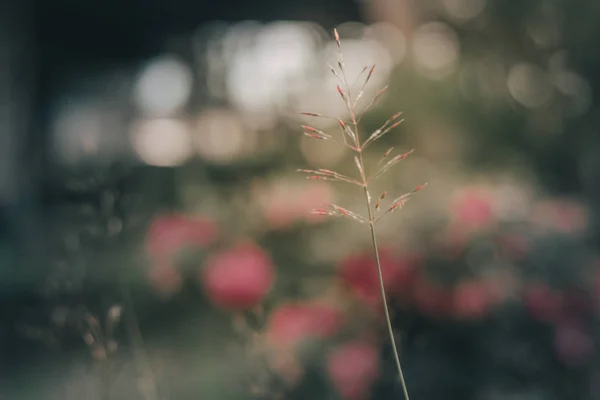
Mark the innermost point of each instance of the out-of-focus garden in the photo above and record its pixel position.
(157, 240)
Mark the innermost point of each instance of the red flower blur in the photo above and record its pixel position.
(359, 273)
(513, 247)
(285, 203)
(169, 234)
(353, 368)
(567, 216)
(165, 278)
(431, 299)
(473, 209)
(291, 323)
(472, 299)
(543, 303)
(574, 343)
(239, 277)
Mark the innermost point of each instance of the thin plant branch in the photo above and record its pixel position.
(351, 136)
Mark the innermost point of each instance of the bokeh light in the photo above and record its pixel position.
(390, 37)
(220, 136)
(576, 89)
(545, 25)
(161, 142)
(436, 50)
(163, 86)
(263, 73)
(530, 85)
(464, 10)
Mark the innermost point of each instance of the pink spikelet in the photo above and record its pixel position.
(349, 132)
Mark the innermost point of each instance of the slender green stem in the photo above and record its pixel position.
(365, 186)
(388, 320)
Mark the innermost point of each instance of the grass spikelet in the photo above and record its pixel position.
(352, 139)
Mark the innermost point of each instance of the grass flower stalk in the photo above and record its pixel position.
(351, 138)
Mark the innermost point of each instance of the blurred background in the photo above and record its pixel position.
(156, 240)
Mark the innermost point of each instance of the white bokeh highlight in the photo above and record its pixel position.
(162, 142)
(436, 49)
(529, 85)
(163, 87)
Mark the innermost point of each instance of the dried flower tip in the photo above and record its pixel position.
(362, 71)
(348, 131)
(402, 200)
(337, 211)
(380, 133)
(408, 153)
(312, 135)
(381, 92)
(378, 204)
(391, 163)
(343, 212)
(315, 133)
(387, 152)
(362, 88)
(395, 124)
(317, 136)
(399, 204)
(419, 187)
(377, 96)
(336, 34)
(382, 130)
(334, 72)
(371, 72)
(322, 212)
(309, 114)
(341, 92)
(327, 175)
